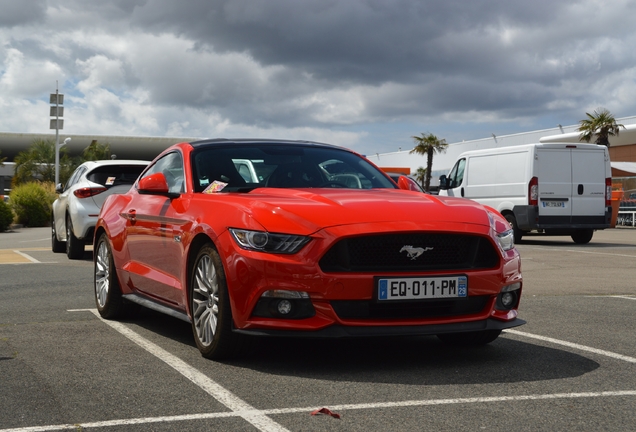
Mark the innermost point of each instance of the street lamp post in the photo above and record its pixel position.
(57, 111)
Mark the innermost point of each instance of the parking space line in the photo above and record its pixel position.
(626, 297)
(234, 403)
(29, 257)
(573, 345)
(378, 405)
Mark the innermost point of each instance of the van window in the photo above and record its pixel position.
(456, 175)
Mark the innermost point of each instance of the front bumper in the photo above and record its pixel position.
(341, 331)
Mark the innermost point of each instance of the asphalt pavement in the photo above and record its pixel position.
(572, 367)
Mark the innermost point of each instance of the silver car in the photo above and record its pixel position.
(76, 208)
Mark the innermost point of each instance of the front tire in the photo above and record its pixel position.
(108, 298)
(470, 338)
(56, 245)
(210, 308)
(74, 246)
(583, 236)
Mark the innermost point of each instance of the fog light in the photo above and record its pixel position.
(284, 307)
(506, 300)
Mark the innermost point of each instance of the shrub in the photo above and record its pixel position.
(31, 203)
(6, 216)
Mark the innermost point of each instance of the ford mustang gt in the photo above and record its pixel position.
(250, 237)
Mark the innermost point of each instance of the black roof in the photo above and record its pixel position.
(241, 141)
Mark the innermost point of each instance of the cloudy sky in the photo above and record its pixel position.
(365, 74)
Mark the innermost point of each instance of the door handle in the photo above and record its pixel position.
(132, 216)
(462, 192)
(580, 189)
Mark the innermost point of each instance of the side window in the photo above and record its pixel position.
(456, 175)
(171, 165)
(75, 177)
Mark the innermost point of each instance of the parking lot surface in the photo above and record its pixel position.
(572, 367)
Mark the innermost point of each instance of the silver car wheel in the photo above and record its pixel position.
(205, 300)
(102, 273)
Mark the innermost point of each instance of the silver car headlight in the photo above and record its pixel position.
(506, 240)
(264, 241)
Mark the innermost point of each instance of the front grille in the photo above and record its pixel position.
(397, 252)
(365, 309)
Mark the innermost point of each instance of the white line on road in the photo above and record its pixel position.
(573, 345)
(378, 405)
(240, 407)
(30, 258)
(626, 297)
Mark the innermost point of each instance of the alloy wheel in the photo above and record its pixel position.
(205, 300)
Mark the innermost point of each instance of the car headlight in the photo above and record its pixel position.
(263, 241)
(506, 240)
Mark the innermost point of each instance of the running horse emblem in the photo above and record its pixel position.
(412, 252)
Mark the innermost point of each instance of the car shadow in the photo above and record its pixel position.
(396, 360)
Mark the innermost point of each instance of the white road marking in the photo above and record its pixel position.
(626, 297)
(29, 257)
(308, 410)
(237, 405)
(573, 345)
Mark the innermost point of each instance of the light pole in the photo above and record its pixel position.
(57, 157)
(57, 111)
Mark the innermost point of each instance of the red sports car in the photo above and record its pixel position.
(294, 238)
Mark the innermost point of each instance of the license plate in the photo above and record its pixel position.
(553, 203)
(419, 288)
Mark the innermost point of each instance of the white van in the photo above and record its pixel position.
(555, 189)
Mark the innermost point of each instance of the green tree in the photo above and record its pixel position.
(96, 151)
(428, 145)
(38, 162)
(420, 176)
(602, 124)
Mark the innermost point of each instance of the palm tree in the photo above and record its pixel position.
(428, 145)
(420, 176)
(96, 151)
(39, 162)
(602, 124)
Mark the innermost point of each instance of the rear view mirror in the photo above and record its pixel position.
(155, 184)
(408, 183)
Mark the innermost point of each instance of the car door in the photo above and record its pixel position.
(555, 184)
(61, 204)
(456, 179)
(154, 230)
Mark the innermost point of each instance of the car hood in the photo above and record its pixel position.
(309, 210)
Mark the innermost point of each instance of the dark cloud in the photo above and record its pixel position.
(15, 13)
(327, 64)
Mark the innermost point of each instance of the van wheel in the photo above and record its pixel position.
(582, 236)
(517, 233)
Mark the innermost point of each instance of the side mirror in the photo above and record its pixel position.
(407, 183)
(154, 184)
(443, 182)
(59, 188)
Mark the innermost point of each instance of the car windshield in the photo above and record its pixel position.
(243, 167)
(113, 175)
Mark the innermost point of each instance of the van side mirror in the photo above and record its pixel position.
(443, 182)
